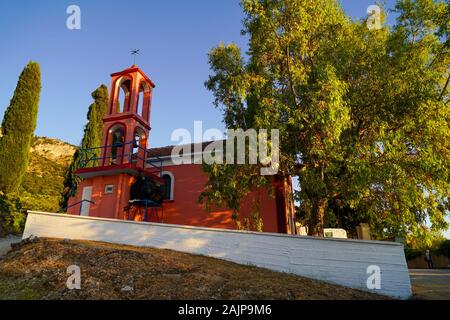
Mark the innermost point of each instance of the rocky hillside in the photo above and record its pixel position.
(53, 149)
(43, 182)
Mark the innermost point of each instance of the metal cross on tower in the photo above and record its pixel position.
(135, 52)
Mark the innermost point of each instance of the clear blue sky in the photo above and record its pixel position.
(174, 38)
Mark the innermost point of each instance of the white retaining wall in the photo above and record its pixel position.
(339, 261)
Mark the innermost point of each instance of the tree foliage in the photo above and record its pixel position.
(18, 125)
(12, 217)
(363, 114)
(92, 138)
(444, 248)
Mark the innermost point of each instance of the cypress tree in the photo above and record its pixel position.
(93, 135)
(19, 123)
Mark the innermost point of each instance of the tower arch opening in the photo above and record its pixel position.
(139, 148)
(143, 103)
(116, 136)
(122, 101)
(139, 140)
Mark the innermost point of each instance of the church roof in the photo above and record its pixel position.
(134, 68)
(167, 150)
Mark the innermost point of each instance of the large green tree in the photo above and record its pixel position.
(363, 113)
(17, 130)
(92, 138)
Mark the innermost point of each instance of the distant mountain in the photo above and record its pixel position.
(43, 182)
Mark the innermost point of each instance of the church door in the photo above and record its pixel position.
(86, 205)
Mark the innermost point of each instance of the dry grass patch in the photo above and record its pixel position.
(38, 271)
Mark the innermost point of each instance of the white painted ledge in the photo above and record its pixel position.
(339, 261)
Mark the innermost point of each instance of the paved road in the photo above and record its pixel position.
(5, 244)
(431, 284)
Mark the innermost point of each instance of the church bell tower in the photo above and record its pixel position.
(127, 123)
(108, 171)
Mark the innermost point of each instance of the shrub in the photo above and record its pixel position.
(444, 248)
(411, 253)
(12, 216)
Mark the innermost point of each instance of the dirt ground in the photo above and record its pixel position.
(39, 271)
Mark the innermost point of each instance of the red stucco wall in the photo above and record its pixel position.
(184, 209)
(106, 205)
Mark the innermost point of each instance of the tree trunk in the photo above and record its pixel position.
(317, 217)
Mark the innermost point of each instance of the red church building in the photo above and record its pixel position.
(112, 173)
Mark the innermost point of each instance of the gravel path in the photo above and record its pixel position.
(5, 244)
